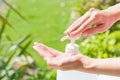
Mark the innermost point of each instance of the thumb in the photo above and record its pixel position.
(88, 62)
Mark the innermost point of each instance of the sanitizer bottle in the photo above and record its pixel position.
(73, 48)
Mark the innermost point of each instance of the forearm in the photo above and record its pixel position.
(110, 66)
(114, 12)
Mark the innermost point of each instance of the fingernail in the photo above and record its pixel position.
(34, 47)
(35, 43)
(66, 32)
(41, 45)
(46, 58)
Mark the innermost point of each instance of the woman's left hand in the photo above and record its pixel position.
(59, 60)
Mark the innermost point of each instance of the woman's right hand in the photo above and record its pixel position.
(101, 19)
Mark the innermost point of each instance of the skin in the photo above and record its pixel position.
(61, 61)
(103, 19)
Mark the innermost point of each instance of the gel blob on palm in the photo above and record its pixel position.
(72, 48)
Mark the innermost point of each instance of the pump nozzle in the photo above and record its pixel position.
(73, 39)
(71, 48)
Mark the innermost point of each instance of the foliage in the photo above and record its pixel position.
(11, 51)
(101, 45)
(82, 6)
(43, 74)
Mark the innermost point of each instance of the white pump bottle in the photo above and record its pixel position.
(73, 75)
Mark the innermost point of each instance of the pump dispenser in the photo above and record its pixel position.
(72, 48)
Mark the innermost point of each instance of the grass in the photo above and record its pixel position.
(47, 21)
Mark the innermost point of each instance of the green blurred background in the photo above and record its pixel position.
(24, 22)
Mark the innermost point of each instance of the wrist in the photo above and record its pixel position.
(113, 12)
(88, 63)
(91, 64)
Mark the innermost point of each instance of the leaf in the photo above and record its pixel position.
(115, 35)
(11, 7)
(4, 20)
(1, 31)
(12, 50)
(8, 38)
(23, 39)
(16, 45)
(3, 45)
(19, 73)
(24, 49)
(4, 24)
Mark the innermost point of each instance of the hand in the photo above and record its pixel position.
(101, 19)
(59, 60)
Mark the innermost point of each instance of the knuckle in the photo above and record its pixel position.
(95, 14)
(92, 9)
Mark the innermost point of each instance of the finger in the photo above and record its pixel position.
(91, 31)
(53, 62)
(53, 51)
(77, 23)
(59, 60)
(65, 63)
(72, 26)
(48, 59)
(42, 52)
(71, 62)
(64, 59)
(46, 49)
(84, 26)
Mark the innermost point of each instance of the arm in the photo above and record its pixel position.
(109, 66)
(114, 12)
(58, 60)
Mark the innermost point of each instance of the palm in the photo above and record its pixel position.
(59, 60)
